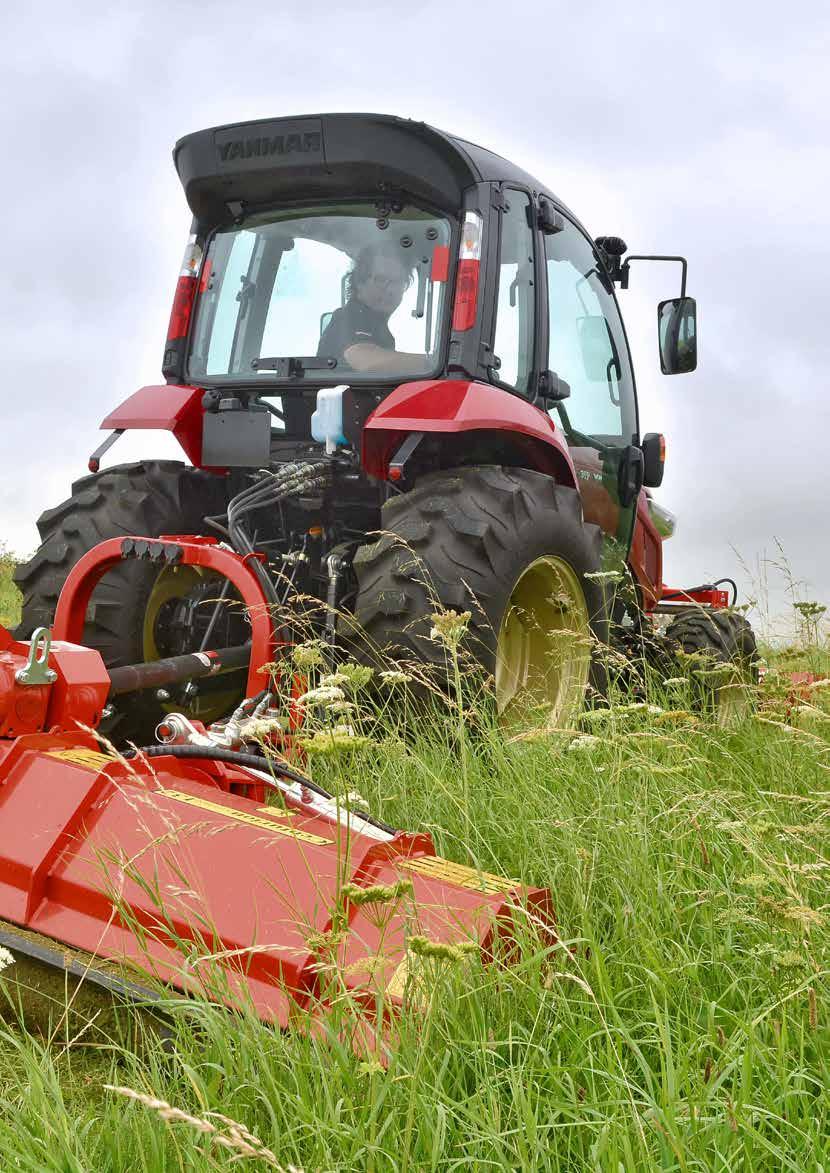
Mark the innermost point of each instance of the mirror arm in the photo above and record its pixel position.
(624, 270)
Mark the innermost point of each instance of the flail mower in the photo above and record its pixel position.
(398, 371)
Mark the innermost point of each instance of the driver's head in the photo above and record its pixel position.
(379, 278)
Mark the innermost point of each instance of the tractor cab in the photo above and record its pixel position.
(366, 252)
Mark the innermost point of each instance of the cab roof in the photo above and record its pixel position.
(226, 168)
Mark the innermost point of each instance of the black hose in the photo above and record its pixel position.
(254, 761)
(704, 586)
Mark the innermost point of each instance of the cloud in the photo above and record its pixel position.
(703, 131)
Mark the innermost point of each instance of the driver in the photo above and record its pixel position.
(358, 333)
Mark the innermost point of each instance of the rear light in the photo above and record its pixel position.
(466, 282)
(185, 292)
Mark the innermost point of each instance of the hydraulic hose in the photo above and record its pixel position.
(253, 761)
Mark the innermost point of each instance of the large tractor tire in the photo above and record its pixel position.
(719, 639)
(511, 547)
(146, 498)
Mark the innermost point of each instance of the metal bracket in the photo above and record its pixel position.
(94, 462)
(37, 670)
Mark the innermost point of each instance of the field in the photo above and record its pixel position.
(683, 1022)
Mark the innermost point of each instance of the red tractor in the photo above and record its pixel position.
(398, 371)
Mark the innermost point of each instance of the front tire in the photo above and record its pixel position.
(511, 547)
(719, 639)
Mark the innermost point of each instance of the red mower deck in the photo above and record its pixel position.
(158, 866)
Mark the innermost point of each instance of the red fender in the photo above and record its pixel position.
(450, 406)
(164, 408)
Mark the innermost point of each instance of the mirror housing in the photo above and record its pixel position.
(677, 334)
(654, 458)
(629, 475)
(551, 388)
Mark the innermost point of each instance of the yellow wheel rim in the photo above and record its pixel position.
(177, 582)
(543, 654)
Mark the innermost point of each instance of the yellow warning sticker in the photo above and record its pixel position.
(79, 755)
(243, 817)
(277, 812)
(437, 868)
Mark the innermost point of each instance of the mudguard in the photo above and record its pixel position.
(452, 406)
(164, 408)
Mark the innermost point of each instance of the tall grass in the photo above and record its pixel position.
(684, 1023)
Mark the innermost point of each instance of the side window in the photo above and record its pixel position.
(513, 342)
(587, 345)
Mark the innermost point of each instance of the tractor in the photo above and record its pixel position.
(398, 371)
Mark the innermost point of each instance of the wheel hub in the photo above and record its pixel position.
(543, 653)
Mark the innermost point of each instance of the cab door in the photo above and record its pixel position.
(588, 350)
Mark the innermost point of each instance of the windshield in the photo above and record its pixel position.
(357, 290)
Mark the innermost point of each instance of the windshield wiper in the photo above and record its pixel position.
(287, 368)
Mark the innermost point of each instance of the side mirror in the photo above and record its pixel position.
(654, 457)
(677, 330)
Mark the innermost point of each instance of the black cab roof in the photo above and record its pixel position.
(332, 155)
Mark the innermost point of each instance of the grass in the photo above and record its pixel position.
(683, 1022)
(685, 1026)
(9, 594)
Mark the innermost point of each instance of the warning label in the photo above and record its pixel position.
(229, 812)
(437, 868)
(79, 755)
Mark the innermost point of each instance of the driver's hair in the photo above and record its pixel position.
(364, 263)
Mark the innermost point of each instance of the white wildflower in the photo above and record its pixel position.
(6, 958)
(321, 696)
(584, 741)
(671, 681)
(392, 676)
(341, 707)
(333, 680)
(449, 627)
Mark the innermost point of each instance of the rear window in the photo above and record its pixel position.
(346, 293)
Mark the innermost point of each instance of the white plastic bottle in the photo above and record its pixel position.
(327, 419)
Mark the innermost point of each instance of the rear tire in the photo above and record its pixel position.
(511, 547)
(722, 638)
(147, 498)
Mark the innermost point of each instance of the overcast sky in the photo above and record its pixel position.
(702, 129)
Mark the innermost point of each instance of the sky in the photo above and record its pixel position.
(701, 129)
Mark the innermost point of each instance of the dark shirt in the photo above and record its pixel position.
(352, 323)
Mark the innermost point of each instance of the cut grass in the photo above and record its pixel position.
(685, 1026)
